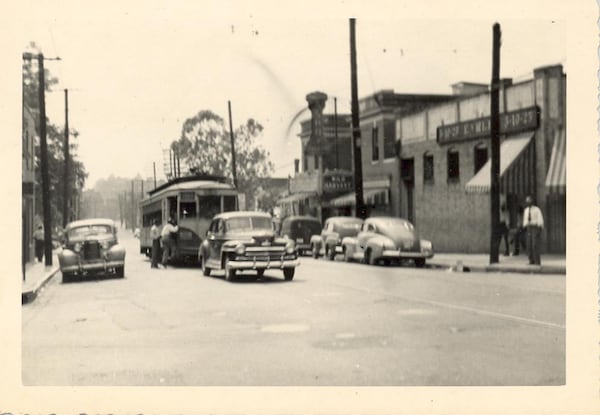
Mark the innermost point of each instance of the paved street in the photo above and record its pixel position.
(334, 324)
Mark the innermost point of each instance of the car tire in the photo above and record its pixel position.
(205, 269)
(120, 271)
(288, 273)
(260, 273)
(314, 251)
(330, 253)
(419, 262)
(67, 276)
(347, 256)
(229, 272)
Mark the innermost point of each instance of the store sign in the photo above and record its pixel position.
(510, 122)
(338, 182)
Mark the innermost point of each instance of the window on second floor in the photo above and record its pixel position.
(480, 157)
(453, 165)
(428, 172)
(375, 143)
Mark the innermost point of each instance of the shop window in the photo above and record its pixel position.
(480, 157)
(428, 168)
(453, 165)
(375, 143)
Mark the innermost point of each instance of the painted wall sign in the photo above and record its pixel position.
(510, 122)
(337, 182)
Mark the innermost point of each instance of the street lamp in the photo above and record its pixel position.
(44, 156)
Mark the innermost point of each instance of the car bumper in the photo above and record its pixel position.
(405, 255)
(252, 264)
(91, 266)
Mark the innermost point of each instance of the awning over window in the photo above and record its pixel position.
(296, 197)
(510, 150)
(370, 196)
(556, 179)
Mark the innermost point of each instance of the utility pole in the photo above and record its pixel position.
(233, 167)
(335, 126)
(142, 189)
(361, 211)
(44, 164)
(132, 205)
(154, 169)
(172, 170)
(66, 183)
(495, 146)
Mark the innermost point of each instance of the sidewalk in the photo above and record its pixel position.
(551, 264)
(36, 276)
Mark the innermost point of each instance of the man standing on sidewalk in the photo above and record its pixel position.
(533, 222)
(38, 238)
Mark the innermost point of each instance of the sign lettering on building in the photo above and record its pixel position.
(510, 122)
(338, 182)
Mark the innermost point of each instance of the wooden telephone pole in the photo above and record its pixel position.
(495, 147)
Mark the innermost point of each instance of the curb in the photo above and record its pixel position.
(549, 269)
(30, 295)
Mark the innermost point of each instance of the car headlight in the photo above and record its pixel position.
(105, 244)
(77, 247)
(290, 247)
(240, 249)
(426, 245)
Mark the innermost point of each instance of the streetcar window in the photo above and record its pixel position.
(187, 210)
(209, 206)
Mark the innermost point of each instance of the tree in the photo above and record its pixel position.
(205, 146)
(55, 138)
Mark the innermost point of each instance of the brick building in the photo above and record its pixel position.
(445, 169)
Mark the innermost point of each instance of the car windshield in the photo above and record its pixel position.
(397, 225)
(351, 225)
(248, 223)
(82, 231)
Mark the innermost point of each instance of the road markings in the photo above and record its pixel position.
(488, 313)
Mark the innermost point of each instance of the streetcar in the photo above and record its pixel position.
(192, 201)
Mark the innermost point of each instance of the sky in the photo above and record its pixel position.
(135, 71)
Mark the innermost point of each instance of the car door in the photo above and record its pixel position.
(368, 231)
(216, 239)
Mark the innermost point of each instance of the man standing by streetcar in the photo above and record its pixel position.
(155, 236)
(167, 236)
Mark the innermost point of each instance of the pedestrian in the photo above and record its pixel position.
(155, 236)
(503, 231)
(533, 222)
(517, 239)
(167, 237)
(38, 238)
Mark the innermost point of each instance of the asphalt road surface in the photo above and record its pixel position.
(334, 324)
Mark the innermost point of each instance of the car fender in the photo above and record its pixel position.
(116, 253)
(332, 240)
(67, 257)
(202, 249)
(316, 240)
(376, 244)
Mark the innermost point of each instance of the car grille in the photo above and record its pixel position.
(411, 246)
(273, 253)
(91, 250)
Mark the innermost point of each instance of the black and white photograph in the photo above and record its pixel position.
(329, 207)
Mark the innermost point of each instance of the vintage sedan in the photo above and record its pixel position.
(387, 239)
(300, 229)
(335, 229)
(91, 246)
(238, 241)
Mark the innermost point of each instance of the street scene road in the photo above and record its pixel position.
(335, 324)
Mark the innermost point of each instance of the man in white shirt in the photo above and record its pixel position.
(533, 222)
(168, 241)
(155, 237)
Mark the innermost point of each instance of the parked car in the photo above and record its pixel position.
(335, 228)
(237, 241)
(91, 246)
(387, 239)
(300, 229)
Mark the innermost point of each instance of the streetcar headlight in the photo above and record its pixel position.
(240, 249)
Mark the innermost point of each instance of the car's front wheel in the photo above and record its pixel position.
(288, 273)
(205, 269)
(229, 272)
(419, 262)
(120, 271)
(330, 253)
(67, 276)
(315, 251)
(347, 256)
(260, 273)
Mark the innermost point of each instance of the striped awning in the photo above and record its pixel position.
(370, 196)
(510, 150)
(556, 179)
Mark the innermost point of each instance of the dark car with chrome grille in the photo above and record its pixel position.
(241, 241)
(91, 246)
